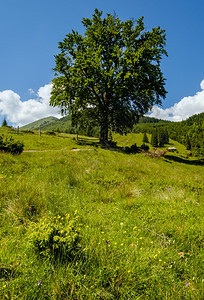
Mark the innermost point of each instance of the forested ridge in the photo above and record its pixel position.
(189, 132)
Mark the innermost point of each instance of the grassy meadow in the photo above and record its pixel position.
(99, 224)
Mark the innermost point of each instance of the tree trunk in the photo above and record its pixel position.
(104, 133)
(104, 123)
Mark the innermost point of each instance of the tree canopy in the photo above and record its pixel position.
(111, 75)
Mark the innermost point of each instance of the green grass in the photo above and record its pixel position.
(39, 123)
(139, 221)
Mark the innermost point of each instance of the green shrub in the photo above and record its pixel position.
(132, 149)
(7, 144)
(28, 131)
(144, 147)
(50, 133)
(112, 143)
(55, 238)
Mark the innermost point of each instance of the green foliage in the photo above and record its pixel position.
(145, 138)
(160, 137)
(111, 75)
(144, 147)
(132, 149)
(148, 120)
(7, 144)
(187, 142)
(189, 133)
(27, 131)
(55, 238)
(154, 139)
(148, 127)
(50, 133)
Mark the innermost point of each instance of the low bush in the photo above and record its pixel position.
(50, 133)
(132, 149)
(112, 143)
(55, 238)
(144, 147)
(28, 131)
(7, 144)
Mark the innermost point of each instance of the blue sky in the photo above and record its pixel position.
(30, 31)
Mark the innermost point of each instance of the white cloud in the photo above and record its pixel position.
(182, 110)
(31, 91)
(202, 84)
(20, 112)
(44, 92)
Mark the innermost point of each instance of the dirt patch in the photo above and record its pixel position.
(38, 150)
(74, 149)
(77, 149)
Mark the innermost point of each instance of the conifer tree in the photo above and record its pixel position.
(188, 143)
(162, 137)
(166, 136)
(154, 140)
(4, 124)
(145, 138)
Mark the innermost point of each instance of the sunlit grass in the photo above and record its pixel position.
(140, 221)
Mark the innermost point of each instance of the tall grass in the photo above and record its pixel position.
(139, 223)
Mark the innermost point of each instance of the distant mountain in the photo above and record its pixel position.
(63, 124)
(148, 124)
(147, 119)
(39, 123)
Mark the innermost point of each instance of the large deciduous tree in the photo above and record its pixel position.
(111, 75)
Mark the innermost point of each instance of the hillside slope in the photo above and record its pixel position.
(39, 123)
(99, 224)
(190, 133)
(62, 124)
